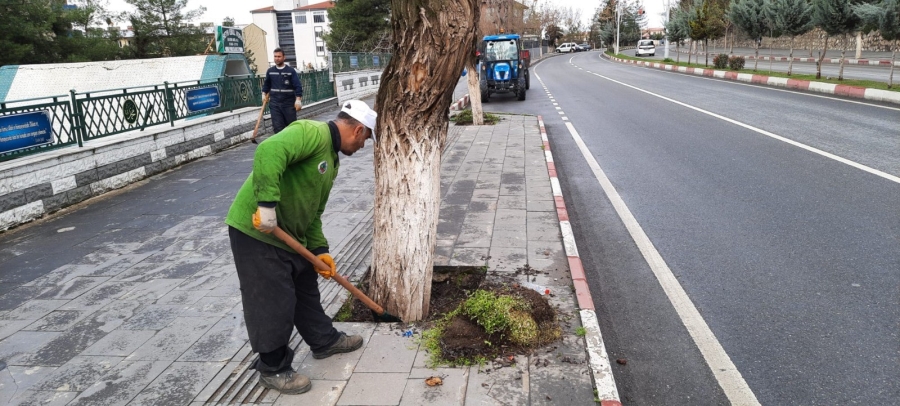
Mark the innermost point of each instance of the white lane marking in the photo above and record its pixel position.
(556, 104)
(558, 108)
(565, 118)
(797, 92)
(720, 364)
(561, 113)
(814, 150)
(726, 373)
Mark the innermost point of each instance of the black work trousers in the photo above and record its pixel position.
(283, 114)
(280, 291)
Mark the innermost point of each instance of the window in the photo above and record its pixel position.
(300, 18)
(319, 33)
(320, 50)
(501, 51)
(318, 16)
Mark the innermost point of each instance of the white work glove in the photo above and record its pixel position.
(264, 219)
(297, 105)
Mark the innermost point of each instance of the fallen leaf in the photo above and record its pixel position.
(622, 361)
(434, 381)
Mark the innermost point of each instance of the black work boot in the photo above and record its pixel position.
(344, 344)
(287, 382)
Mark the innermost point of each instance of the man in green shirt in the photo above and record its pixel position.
(293, 172)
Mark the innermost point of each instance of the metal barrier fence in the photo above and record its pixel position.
(354, 61)
(86, 116)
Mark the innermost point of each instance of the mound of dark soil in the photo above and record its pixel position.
(450, 285)
(463, 338)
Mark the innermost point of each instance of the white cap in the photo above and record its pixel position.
(361, 112)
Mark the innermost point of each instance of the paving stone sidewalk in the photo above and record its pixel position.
(132, 298)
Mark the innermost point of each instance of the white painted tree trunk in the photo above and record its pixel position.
(432, 41)
(858, 44)
(893, 59)
(472, 79)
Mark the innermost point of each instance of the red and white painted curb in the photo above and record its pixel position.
(460, 104)
(847, 61)
(599, 361)
(812, 86)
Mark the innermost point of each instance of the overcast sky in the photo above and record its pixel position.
(217, 10)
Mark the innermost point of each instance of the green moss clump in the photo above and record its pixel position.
(465, 118)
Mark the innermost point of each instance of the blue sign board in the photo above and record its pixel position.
(26, 130)
(354, 61)
(203, 98)
(375, 60)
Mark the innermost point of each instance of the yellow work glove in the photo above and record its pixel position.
(328, 260)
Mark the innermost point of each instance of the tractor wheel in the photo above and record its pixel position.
(521, 93)
(527, 80)
(484, 96)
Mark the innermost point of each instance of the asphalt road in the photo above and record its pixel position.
(862, 72)
(791, 257)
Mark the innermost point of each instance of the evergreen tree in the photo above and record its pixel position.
(709, 24)
(793, 18)
(751, 17)
(27, 31)
(162, 28)
(358, 25)
(677, 30)
(885, 16)
(835, 17)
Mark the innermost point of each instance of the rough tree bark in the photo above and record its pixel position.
(433, 39)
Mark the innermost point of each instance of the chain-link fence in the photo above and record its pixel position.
(86, 116)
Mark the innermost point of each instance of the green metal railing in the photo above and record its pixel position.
(91, 115)
(353, 61)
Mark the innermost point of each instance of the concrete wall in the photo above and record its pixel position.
(33, 186)
(19, 82)
(815, 40)
(356, 85)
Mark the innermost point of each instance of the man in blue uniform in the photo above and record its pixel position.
(283, 91)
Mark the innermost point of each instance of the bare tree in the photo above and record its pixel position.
(432, 41)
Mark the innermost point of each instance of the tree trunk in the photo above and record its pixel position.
(731, 50)
(678, 52)
(756, 58)
(432, 40)
(843, 51)
(821, 58)
(893, 58)
(705, 44)
(472, 79)
(791, 56)
(771, 54)
(858, 44)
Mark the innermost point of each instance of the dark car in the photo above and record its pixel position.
(584, 47)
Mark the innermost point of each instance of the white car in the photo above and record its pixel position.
(567, 47)
(645, 47)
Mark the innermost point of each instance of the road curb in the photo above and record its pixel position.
(847, 61)
(795, 84)
(607, 393)
(460, 104)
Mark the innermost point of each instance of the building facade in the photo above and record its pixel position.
(296, 27)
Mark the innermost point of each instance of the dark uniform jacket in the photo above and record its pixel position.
(282, 85)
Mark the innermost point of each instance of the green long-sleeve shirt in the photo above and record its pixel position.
(295, 169)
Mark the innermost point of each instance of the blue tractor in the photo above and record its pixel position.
(504, 66)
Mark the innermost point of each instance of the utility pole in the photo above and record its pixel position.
(668, 10)
(618, 21)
